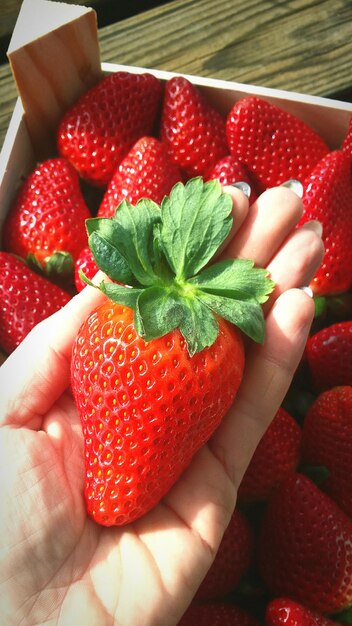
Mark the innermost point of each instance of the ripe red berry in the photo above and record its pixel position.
(99, 129)
(273, 144)
(26, 299)
(193, 131)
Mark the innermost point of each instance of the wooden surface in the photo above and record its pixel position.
(296, 45)
(65, 40)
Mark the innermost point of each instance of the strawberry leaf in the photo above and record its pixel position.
(246, 314)
(101, 234)
(198, 326)
(121, 294)
(196, 219)
(345, 616)
(158, 252)
(161, 310)
(134, 237)
(235, 278)
(123, 245)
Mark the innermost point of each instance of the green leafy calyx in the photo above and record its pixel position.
(158, 258)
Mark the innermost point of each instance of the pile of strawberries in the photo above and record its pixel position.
(286, 557)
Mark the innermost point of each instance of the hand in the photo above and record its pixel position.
(57, 565)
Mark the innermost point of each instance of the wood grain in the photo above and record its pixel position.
(300, 45)
(296, 45)
(53, 63)
(10, 9)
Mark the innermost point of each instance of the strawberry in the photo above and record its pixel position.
(286, 612)
(46, 222)
(85, 263)
(146, 172)
(232, 560)
(192, 129)
(220, 614)
(305, 547)
(329, 356)
(327, 441)
(347, 142)
(26, 299)
(230, 170)
(277, 453)
(156, 367)
(99, 129)
(327, 197)
(274, 144)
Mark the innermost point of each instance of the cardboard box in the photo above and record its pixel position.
(22, 145)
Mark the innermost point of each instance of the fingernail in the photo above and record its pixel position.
(244, 187)
(307, 290)
(295, 185)
(315, 226)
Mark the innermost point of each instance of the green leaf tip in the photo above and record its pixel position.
(60, 264)
(158, 259)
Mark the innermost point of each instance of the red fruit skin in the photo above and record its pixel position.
(286, 612)
(305, 547)
(220, 614)
(327, 197)
(99, 129)
(275, 145)
(230, 170)
(48, 214)
(347, 142)
(26, 299)
(232, 560)
(193, 131)
(147, 171)
(329, 356)
(327, 441)
(85, 263)
(142, 405)
(277, 454)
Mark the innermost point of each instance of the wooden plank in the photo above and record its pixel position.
(54, 57)
(10, 9)
(297, 45)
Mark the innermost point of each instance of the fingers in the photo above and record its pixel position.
(268, 235)
(38, 371)
(240, 207)
(297, 260)
(269, 220)
(268, 373)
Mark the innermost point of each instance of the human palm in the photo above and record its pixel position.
(60, 567)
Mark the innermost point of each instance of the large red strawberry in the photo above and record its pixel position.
(274, 144)
(47, 218)
(347, 142)
(147, 171)
(329, 356)
(305, 547)
(156, 367)
(220, 614)
(286, 612)
(232, 560)
(99, 129)
(192, 129)
(230, 170)
(327, 441)
(277, 453)
(26, 298)
(85, 263)
(328, 198)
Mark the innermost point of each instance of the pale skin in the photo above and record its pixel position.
(57, 566)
